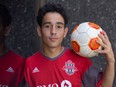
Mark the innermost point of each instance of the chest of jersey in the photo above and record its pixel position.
(55, 73)
(8, 75)
(10, 70)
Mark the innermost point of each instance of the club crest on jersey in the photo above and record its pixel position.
(69, 67)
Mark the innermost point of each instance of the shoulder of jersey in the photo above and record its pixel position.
(32, 57)
(15, 55)
(76, 56)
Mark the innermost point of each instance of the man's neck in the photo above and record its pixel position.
(53, 52)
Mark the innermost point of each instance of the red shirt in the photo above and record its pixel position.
(66, 70)
(11, 69)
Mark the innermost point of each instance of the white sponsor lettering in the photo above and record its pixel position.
(3, 85)
(50, 85)
(64, 83)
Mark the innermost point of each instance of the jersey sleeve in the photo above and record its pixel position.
(92, 77)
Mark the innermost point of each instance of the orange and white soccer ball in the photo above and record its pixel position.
(83, 39)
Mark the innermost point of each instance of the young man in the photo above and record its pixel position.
(11, 64)
(57, 66)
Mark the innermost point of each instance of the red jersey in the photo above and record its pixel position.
(66, 70)
(11, 69)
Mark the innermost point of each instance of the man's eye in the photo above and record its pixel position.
(59, 26)
(47, 26)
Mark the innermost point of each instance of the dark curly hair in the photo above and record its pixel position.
(5, 15)
(51, 7)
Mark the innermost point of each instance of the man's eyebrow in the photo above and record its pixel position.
(46, 23)
(60, 23)
(51, 23)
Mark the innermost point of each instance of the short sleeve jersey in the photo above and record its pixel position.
(11, 69)
(66, 70)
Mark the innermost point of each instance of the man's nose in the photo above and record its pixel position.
(53, 30)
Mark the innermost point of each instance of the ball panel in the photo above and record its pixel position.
(93, 25)
(92, 33)
(84, 51)
(83, 39)
(76, 46)
(93, 44)
(82, 28)
(74, 35)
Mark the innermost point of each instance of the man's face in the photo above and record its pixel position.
(53, 30)
(2, 31)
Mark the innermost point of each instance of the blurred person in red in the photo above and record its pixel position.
(11, 64)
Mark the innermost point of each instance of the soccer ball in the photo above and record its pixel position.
(83, 39)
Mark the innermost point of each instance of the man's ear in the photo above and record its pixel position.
(7, 30)
(39, 31)
(65, 32)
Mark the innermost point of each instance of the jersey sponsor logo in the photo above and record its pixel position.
(49, 85)
(1, 85)
(35, 70)
(10, 69)
(69, 67)
(64, 83)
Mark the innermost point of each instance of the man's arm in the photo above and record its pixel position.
(108, 75)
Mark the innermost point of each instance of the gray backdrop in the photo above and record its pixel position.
(23, 38)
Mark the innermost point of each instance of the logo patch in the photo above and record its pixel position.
(64, 83)
(69, 67)
(10, 69)
(35, 70)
